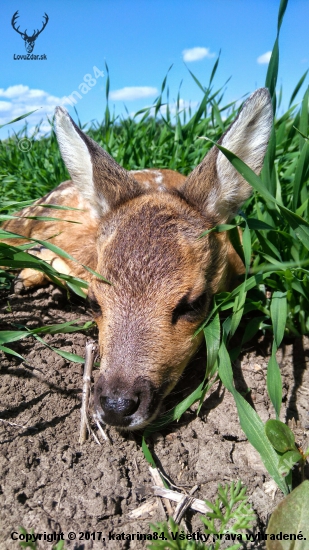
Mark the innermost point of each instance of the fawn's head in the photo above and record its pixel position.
(163, 276)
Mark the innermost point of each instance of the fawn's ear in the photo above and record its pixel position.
(214, 187)
(96, 175)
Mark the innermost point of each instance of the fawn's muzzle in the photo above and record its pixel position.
(126, 406)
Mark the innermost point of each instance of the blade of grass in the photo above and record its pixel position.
(250, 422)
(274, 382)
(18, 118)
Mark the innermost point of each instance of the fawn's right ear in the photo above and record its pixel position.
(214, 187)
(96, 175)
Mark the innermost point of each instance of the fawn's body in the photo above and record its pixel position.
(141, 230)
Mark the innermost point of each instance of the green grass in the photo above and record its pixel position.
(227, 519)
(274, 296)
(150, 139)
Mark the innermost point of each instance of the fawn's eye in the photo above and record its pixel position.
(94, 305)
(190, 310)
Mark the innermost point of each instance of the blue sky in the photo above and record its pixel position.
(140, 40)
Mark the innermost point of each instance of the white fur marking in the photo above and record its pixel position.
(158, 177)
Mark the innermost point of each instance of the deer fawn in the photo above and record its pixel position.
(141, 230)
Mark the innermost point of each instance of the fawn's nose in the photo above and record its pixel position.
(117, 409)
(126, 404)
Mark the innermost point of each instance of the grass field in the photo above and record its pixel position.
(274, 221)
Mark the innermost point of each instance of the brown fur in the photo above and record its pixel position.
(168, 270)
(141, 230)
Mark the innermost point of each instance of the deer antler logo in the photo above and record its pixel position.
(29, 40)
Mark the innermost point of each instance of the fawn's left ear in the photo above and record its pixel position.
(214, 187)
(94, 172)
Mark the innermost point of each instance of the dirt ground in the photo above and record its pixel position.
(49, 483)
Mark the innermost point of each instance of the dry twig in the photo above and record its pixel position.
(155, 474)
(89, 361)
(196, 504)
(145, 510)
(183, 505)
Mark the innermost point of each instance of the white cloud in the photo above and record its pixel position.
(5, 106)
(13, 91)
(184, 105)
(195, 54)
(264, 59)
(129, 93)
(23, 99)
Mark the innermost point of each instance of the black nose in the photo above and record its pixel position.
(125, 405)
(118, 408)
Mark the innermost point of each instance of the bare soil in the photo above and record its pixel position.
(49, 483)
